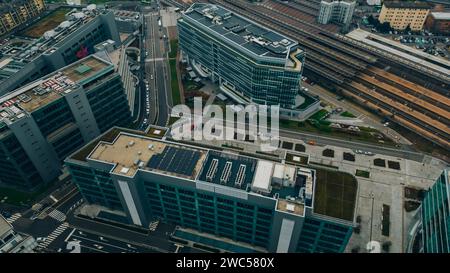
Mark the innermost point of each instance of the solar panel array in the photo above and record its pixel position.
(175, 160)
(229, 170)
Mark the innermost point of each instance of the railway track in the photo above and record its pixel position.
(395, 107)
(429, 95)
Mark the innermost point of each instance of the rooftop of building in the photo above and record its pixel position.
(51, 87)
(441, 15)
(16, 57)
(11, 5)
(4, 226)
(132, 152)
(406, 5)
(295, 186)
(241, 31)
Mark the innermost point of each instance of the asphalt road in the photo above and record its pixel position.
(156, 71)
(156, 241)
(93, 243)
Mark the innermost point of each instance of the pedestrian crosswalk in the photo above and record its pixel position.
(153, 225)
(50, 238)
(13, 218)
(56, 214)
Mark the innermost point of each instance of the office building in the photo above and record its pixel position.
(336, 11)
(127, 21)
(401, 14)
(15, 13)
(44, 121)
(72, 40)
(438, 23)
(266, 204)
(249, 62)
(435, 217)
(14, 242)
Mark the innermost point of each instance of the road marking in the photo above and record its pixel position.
(57, 215)
(70, 234)
(101, 242)
(53, 198)
(55, 234)
(13, 218)
(153, 225)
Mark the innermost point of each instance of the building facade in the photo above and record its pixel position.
(262, 203)
(41, 123)
(435, 212)
(15, 13)
(336, 11)
(401, 14)
(438, 22)
(251, 63)
(72, 40)
(14, 242)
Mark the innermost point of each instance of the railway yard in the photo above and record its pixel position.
(406, 93)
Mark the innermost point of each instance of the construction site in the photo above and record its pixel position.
(407, 93)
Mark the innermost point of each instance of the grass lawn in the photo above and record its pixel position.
(49, 22)
(335, 194)
(347, 115)
(319, 115)
(176, 98)
(323, 128)
(362, 173)
(173, 49)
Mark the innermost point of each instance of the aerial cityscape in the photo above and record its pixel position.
(224, 126)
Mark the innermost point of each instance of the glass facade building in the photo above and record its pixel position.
(436, 216)
(43, 122)
(213, 192)
(250, 62)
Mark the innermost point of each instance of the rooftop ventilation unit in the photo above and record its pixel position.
(212, 170)
(226, 172)
(240, 176)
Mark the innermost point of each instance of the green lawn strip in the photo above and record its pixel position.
(176, 98)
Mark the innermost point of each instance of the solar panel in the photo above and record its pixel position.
(175, 160)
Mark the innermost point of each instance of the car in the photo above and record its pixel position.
(368, 153)
(386, 124)
(41, 239)
(358, 151)
(151, 77)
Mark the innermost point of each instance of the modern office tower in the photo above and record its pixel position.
(44, 121)
(250, 62)
(336, 11)
(13, 242)
(435, 217)
(72, 40)
(401, 14)
(15, 13)
(278, 207)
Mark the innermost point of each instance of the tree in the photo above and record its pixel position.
(408, 28)
(372, 21)
(384, 27)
